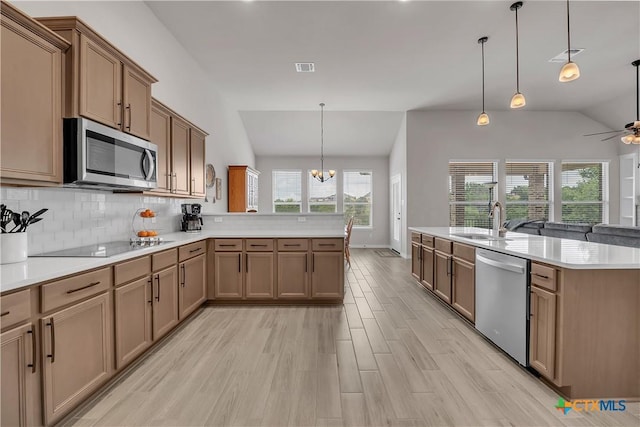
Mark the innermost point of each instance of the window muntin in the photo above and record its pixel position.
(470, 193)
(357, 197)
(287, 191)
(528, 190)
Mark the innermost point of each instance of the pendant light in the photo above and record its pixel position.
(319, 174)
(570, 70)
(517, 101)
(634, 138)
(483, 118)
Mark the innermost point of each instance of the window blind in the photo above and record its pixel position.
(357, 200)
(584, 191)
(469, 194)
(287, 191)
(528, 190)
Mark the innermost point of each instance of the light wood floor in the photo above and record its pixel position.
(392, 356)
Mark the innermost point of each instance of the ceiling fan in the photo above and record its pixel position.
(631, 130)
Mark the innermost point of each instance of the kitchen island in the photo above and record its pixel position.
(584, 335)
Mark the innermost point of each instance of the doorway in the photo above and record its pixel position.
(396, 213)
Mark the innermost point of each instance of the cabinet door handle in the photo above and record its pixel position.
(259, 246)
(306, 262)
(326, 244)
(453, 267)
(128, 108)
(52, 356)
(448, 267)
(287, 245)
(539, 275)
(193, 185)
(158, 282)
(184, 276)
(6, 313)
(82, 288)
(150, 282)
(247, 262)
(32, 365)
(222, 245)
(119, 105)
(175, 186)
(239, 262)
(313, 263)
(195, 250)
(168, 182)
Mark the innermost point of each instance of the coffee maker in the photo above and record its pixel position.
(191, 217)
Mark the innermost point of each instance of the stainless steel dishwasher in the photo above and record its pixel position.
(502, 302)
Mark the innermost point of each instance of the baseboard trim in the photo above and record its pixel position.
(365, 246)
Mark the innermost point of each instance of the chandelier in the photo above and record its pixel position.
(319, 174)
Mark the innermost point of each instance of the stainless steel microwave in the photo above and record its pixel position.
(99, 157)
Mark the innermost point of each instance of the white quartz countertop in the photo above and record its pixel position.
(551, 250)
(35, 269)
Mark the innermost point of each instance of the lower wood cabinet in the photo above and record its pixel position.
(293, 275)
(133, 308)
(165, 301)
(327, 272)
(426, 276)
(192, 291)
(19, 363)
(416, 260)
(463, 289)
(542, 335)
(259, 275)
(77, 346)
(442, 275)
(228, 275)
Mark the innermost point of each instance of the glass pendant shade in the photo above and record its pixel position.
(631, 139)
(483, 119)
(314, 172)
(569, 72)
(331, 173)
(518, 100)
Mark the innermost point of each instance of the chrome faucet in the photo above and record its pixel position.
(501, 230)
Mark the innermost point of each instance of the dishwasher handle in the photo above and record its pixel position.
(502, 265)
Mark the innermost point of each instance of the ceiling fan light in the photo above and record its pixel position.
(518, 100)
(628, 139)
(569, 72)
(636, 140)
(483, 119)
(636, 124)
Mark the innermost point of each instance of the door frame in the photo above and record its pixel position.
(396, 245)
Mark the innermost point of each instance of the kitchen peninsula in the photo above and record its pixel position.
(584, 336)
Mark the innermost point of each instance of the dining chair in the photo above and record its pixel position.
(347, 239)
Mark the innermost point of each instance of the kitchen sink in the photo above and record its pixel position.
(478, 236)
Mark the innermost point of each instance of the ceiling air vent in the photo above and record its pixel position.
(562, 57)
(305, 67)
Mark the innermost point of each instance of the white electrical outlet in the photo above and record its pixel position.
(217, 219)
(302, 219)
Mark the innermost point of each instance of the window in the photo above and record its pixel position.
(287, 191)
(358, 186)
(322, 195)
(470, 193)
(528, 189)
(585, 192)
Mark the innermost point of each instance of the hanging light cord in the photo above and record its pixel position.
(483, 76)
(517, 55)
(568, 35)
(322, 142)
(638, 92)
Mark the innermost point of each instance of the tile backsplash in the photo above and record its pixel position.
(78, 217)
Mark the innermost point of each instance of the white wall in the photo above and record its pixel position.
(378, 235)
(182, 84)
(436, 137)
(398, 166)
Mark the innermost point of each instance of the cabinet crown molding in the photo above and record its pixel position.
(9, 11)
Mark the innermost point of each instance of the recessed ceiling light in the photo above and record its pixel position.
(562, 56)
(305, 67)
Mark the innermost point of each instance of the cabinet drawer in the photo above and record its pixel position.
(66, 291)
(129, 270)
(228, 245)
(427, 241)
(164, 259)
(15, 308)
(293, 245)
(327, 244)
(258, 245)
(465, 252)
(415, 237)
(443, 245)
(189, 251)
(543, 276)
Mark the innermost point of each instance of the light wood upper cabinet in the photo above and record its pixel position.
(197, 163)
(463, 289)
(77, 346)
(19, 362)
(100, 84)
(242, 189)
(293, 275)
(137, 103)
(31, 101)
(161, 136)
(165, 301)
(133, 320)
(192, 291)
(327, 271)
(180, 161)
(259, 278)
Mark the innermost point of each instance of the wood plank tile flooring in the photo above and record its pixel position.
(391, 356)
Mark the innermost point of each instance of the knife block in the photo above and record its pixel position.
(13, 247)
